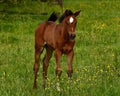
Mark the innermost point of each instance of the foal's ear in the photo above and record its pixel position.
(77, 13)
(66, 12)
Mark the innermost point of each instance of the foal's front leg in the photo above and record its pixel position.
(58, 70)
(70, 59)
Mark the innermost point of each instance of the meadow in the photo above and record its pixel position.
(97, 50)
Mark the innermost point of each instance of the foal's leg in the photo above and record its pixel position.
(46, 64)
(70, 59)
(38, 51)
(58, 68)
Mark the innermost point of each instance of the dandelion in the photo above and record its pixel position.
(58, 87)
(113, 55)
(108, 66)
(101, 70)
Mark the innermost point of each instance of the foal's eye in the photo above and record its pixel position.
(67, 23)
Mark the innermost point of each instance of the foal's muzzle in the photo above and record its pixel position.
(72, 36)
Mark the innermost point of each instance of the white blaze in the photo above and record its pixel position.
(71, 19)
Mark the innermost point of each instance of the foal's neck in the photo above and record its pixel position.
(64, 31)
(64, 27)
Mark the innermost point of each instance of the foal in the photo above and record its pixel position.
(59, 38)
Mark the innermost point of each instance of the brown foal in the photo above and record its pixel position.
(59, 38)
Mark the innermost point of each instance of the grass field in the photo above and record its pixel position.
(97, 50)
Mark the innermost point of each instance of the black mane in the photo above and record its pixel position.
(67, 13)
(53, 17)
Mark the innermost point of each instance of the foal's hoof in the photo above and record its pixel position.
(58, 72)
(69, 72)
(44, 84)
(34, 86)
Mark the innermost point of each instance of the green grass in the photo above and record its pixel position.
(97, 51)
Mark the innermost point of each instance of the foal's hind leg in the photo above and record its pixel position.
(38, 51)
(46, 63)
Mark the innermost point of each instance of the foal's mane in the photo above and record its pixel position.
(67, 13)
(53, 17)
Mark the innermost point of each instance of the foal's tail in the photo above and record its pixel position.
(53, 17)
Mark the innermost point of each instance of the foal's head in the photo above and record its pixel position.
(69, 18)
